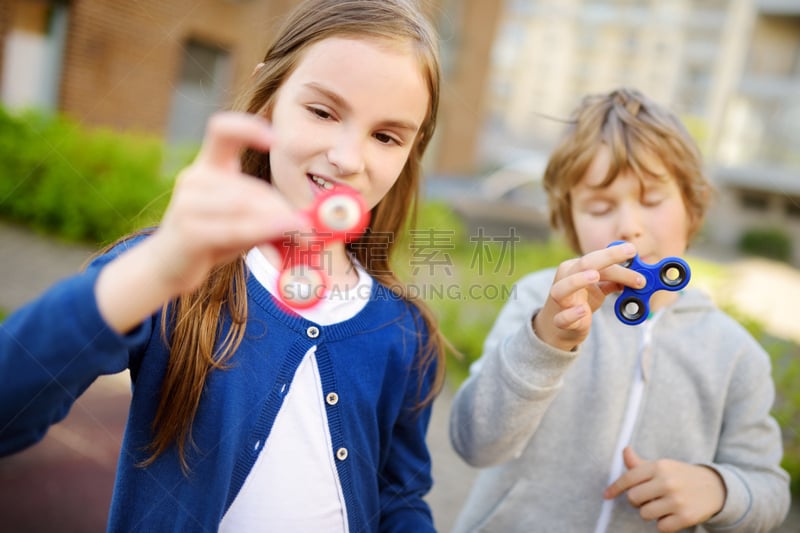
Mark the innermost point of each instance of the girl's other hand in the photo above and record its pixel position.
(579, 288)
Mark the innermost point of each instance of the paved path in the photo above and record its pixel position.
(64, 483)
(30, 263)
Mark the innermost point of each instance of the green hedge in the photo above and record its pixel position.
(773, 243)
(785, 357)
(467, 278)
(83, 185)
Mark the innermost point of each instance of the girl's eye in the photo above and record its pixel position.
(385, 138)
(319, 112)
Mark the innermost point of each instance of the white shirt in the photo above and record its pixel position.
(294, 484)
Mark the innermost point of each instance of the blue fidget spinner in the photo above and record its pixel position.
(669, 274)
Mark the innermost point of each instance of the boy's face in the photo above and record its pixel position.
(650, 214)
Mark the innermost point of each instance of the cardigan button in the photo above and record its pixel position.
(332, 398)
(312, 332)
(341, 454)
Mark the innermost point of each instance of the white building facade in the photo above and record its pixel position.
(729, 68)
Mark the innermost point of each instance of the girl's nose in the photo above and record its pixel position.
(347, 155)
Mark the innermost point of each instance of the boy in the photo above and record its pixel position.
(584, 423)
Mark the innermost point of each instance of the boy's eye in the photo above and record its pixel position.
(652, 200)
(598, 208)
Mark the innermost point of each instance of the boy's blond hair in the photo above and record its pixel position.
(635, 129)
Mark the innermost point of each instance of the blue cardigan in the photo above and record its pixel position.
(52, 349)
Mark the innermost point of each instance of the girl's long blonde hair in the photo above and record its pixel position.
(191, 324)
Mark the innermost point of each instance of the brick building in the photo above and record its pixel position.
(149, 66)
(162, 67)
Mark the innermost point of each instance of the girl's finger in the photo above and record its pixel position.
(228, 133)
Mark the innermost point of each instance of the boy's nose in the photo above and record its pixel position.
(347, 156)
(629, 223)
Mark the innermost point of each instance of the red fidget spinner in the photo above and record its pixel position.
(339, 214)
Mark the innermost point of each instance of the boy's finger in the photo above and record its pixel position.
(227, 133)
(623, 276)
(631, 458)
(620, 485)
(565, 287)
(606, 257)
(616, 256)
(634, 476)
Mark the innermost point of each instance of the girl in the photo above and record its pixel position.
(244, 416)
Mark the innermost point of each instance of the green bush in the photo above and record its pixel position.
(465, 278)
(785, 357)
(773, 243)
(79, 184)
(786, 371)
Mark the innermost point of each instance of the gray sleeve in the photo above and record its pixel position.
(500, 405)
(750, 450)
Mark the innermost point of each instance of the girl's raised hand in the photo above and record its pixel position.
(579, 288)
(216, 212)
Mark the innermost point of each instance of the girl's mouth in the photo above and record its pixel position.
(322, 183)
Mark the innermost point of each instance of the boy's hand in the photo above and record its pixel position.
(579, 288)
(675, 494)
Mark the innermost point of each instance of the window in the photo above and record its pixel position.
(792, 207)
(199, 92)
(32, 55)
(753, 200)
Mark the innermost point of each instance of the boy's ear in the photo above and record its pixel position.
(257, 68)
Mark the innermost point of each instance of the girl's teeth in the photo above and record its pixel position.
(322, 183)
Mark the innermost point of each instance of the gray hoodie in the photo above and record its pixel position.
(543, 424)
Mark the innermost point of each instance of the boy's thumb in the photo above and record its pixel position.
(632, 460)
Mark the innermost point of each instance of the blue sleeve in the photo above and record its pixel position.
(406, 478)
(51, 350)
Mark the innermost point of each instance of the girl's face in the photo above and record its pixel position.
(651, 214)
(349, 113)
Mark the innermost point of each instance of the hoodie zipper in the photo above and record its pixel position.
(641, 374)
